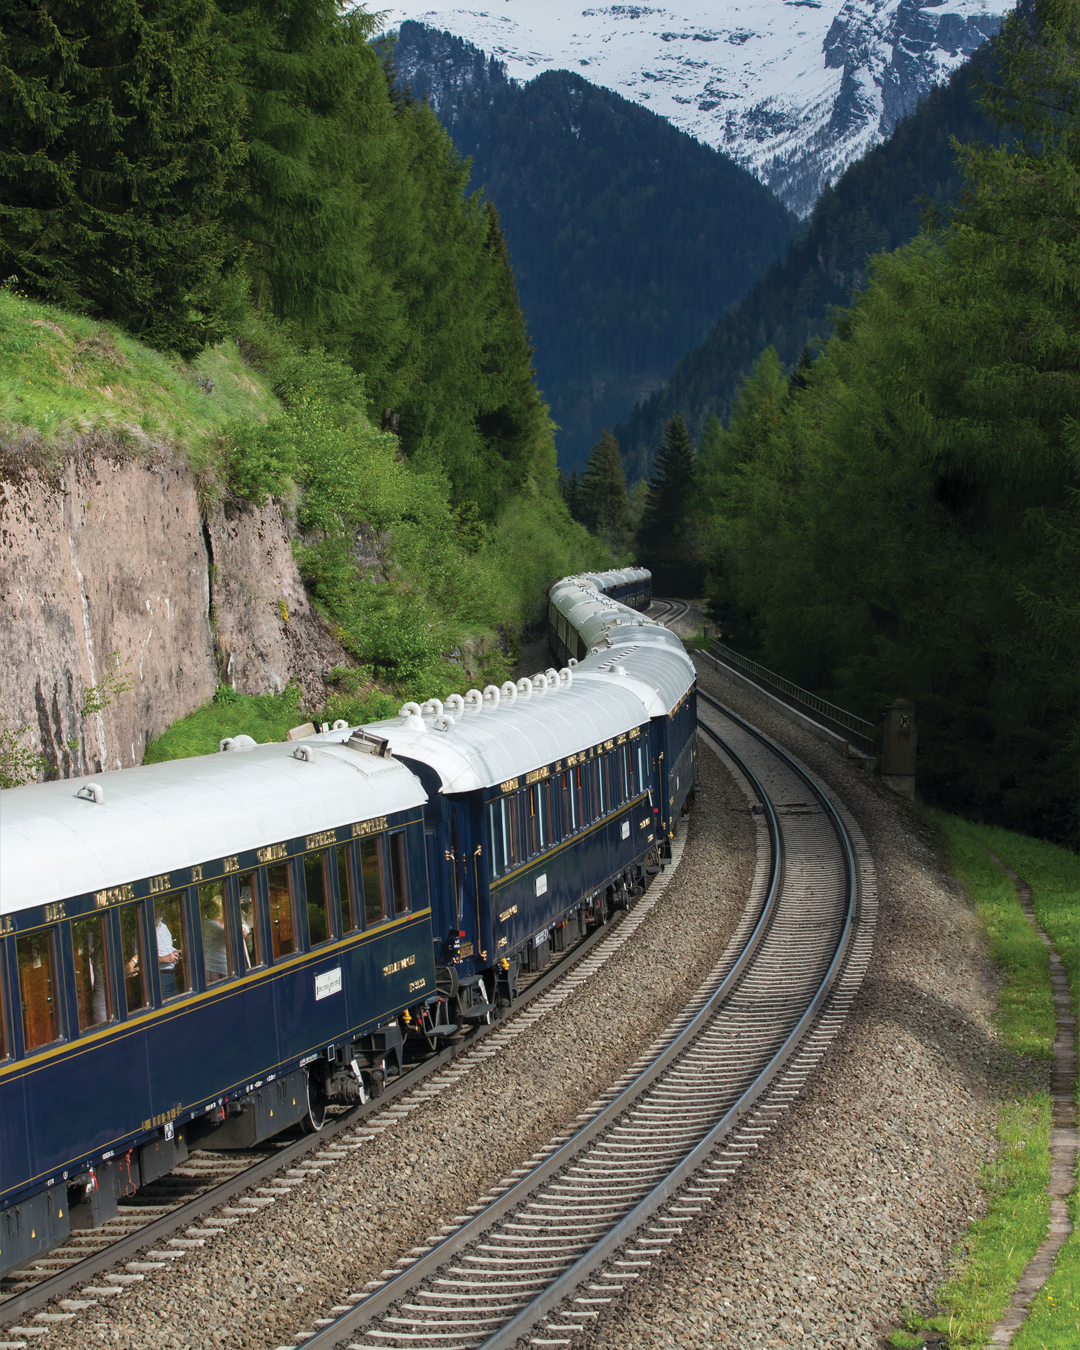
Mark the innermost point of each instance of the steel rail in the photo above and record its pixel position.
(549, 1262)
(16, 1305)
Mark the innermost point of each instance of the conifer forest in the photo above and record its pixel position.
(866, 460)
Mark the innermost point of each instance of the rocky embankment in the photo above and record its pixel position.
(121, 589)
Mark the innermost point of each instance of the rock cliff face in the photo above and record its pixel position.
(123, 604)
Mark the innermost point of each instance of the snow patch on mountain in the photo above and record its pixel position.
(792, 89)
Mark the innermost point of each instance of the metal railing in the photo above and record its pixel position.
(855, 730)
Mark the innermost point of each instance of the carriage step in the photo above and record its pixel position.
(477, 1012)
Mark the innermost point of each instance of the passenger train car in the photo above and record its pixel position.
(213, 949)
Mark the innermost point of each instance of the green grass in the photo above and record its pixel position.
(64, 375)
(996, 1248)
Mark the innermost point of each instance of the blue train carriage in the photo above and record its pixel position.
(610, 635)
(212, 949)
(542, 811)
(574, 599)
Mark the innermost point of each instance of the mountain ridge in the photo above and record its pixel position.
(794, 90)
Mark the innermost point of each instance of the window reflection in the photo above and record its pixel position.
(215, 924)
(92, 993)
(131, 954)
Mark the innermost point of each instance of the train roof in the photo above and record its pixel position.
(488, 746)
(161, 817)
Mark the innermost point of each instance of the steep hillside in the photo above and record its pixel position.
(877, 205)
(628, 238)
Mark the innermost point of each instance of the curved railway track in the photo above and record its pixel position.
(602, 1202)
(221, 1183)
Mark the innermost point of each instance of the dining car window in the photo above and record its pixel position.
(5, 1044)
(494, 839)
(398, 874)
(371, 877)
(251, 933)
(317, 892)
(132, 943)
(216, 925)
(282, 923)
(36, 953)
(170, 940)
(93, 997)
(347, 897)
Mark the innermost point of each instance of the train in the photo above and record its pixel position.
(208, 951)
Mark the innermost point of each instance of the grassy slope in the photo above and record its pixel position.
(62, 375)
(998, 1246)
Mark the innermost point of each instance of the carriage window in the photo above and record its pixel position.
(371, 875)
(40, 996)
(131, 952)
(320, 921)
(535, 818)
(397, 872)
(510, 820)
(92, 993)
(216, 922)
(282, 927)
(170, 934)
(494, 842)
(350, 910)
(250, 929)
(570, 780)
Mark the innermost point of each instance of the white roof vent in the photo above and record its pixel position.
(367, 743)
(237, 743)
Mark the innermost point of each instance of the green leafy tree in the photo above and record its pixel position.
(902, 518)
(604, 506)
(119, 163)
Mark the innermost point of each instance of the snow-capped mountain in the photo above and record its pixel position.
(792, 89)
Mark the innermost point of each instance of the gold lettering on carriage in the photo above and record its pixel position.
(507, 913)
(536, 774)
(403, 964)
(635, 732)
(196, 872)
(368, 827)
(321, 840)
(271, 853)
(159, 884)
(509, 785)
(53, 913)
(227, 865)
(113, 896)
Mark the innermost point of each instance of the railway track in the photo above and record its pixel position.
(538, 1258)
(233, 1186)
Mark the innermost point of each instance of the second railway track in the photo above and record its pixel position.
(601, 1202)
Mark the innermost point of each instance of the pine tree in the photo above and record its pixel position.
(317, 119)
(119, 162)
(665, 536)
(572, 494)
(604, 506)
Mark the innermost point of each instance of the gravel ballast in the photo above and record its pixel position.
(270, 1275)
(849, 1212)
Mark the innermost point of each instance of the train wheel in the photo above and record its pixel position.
(315, 1119)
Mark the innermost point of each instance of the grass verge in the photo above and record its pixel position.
(996, 1248)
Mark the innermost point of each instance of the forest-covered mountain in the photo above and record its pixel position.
(628, 238)
(878, 204)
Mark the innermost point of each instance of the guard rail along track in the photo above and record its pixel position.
(662, 1141)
